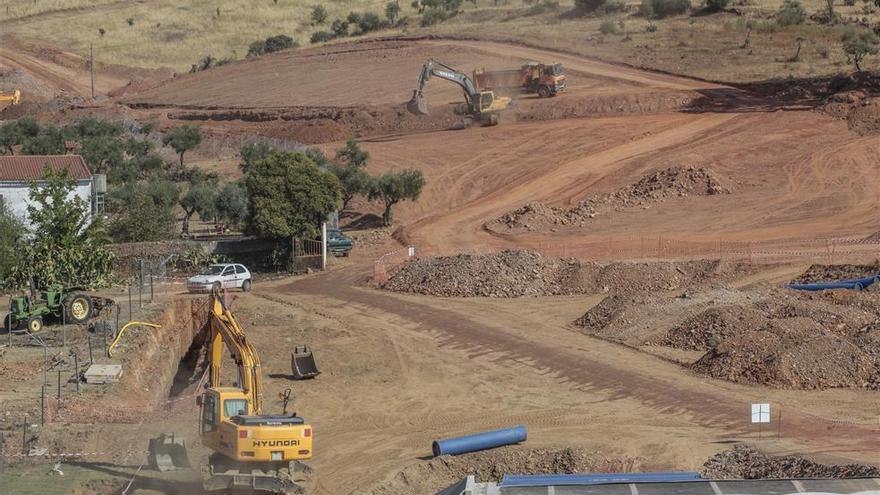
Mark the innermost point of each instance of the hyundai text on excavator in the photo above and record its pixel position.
(252, 452)
(483, 106)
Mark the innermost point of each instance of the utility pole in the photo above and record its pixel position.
(92, 67)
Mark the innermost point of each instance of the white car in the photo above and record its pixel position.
(221, 276)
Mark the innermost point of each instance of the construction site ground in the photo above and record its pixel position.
(400, 370)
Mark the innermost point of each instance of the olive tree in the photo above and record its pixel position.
(395, 186)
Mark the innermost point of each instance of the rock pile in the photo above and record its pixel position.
(828, 273)
(653, 188)
(744, 462)
(525, 273)
(438, 473)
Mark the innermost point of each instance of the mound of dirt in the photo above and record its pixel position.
(827, 273)
(438, 473)
(709, 328)
(745, 462)
(659, 186)
(504, 274)
(525, 273)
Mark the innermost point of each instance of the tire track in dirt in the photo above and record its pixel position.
(463, 225)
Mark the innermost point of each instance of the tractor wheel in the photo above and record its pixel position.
(543, 91)
(10, 323)
(77, 308)
(35, 324)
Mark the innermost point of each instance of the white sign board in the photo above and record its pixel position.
(760, 413)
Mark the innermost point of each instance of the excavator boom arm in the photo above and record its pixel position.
(225, 331)
(419, 105)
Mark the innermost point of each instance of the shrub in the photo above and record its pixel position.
(433, 16)
(369, 21)
(130, 21)
(588, 5)
(319, 14)
(651, 28)
(321, 37)
(791, 13)
(859, 43)
(716, 5)
(543, 7)
(665, 8)
(612, 6)
(339, 28)
(608, 27)
(208, 62)
(271, 44)
(392, 11)
(822, 50)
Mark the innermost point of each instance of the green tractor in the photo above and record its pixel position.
(52, 304)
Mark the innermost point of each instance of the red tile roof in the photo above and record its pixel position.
(30, 167)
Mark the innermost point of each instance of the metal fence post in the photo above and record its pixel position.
(24, 432)
(42, 405)
(76, 371)
(130, 312)
(151, 287)
(140, 296)
(59, 385)
(45, 366)
(91, 357)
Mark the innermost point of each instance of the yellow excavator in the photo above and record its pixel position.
(481, 105)
(253, 452)
(12, 99)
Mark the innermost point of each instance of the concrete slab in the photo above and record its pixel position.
(103, 373)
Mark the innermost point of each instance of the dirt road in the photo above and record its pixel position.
(526, 340)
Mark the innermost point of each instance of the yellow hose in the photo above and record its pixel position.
(122, 331)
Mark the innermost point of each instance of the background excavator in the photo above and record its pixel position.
(483, 106)
(252, 452)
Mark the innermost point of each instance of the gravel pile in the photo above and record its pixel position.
(788, 339)
(525, 273)
(504, 274)
(673, 182)
(829, 273)
(438, 473)
(744, 462)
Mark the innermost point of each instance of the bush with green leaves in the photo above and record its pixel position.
(67, 245)
(12, 232)
(339, 28)
(542, 7)
(392, 11)
(231, 203)
(664, 8)
(142, 211)
(858, 43)
(319, 14)
(271, 44)
(715, 5)
(608, 27)
(200, 197)
(289, 196)
(321, 37)
(791, 13)
(433, 16)
(349, 169)
(208, 62)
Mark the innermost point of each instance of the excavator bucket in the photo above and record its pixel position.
(418, 105)
(302, 363)
(168, 453)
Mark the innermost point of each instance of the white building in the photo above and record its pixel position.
(17, 172)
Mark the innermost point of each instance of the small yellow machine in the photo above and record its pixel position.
(13, 99)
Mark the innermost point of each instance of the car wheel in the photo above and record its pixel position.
(246, 286)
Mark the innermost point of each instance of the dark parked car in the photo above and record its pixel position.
(338, 244)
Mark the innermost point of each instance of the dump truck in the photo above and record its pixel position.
(545, 80)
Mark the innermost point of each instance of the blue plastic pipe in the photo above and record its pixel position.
(479, 441)
(511, 480)
(857, 284)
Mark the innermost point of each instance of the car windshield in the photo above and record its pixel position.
(212, 270)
